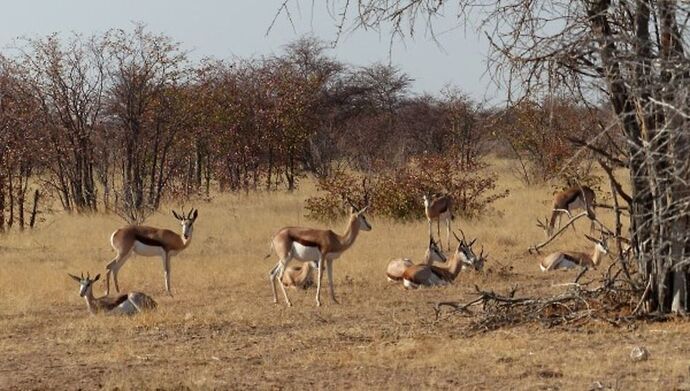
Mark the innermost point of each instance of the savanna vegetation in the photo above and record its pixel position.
(100, 130)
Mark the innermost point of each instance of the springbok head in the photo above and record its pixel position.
(466, 253)
(434, 252)
(187, 221)
(358, 214)
(601, 244)
(85, 283)
(427, 199)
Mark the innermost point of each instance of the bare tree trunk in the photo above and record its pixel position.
(34, 209)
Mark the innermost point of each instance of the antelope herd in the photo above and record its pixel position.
(316, 249)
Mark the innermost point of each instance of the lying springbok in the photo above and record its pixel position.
(314, 245)
(126, 304)
(299, 276)
(425, 275)
(569, 200)
(149, 242)
(569, 260)
(439, 208)
(397, 267)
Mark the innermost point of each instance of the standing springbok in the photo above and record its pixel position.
(569, 200)
(149, 242)
(439, 208)
(299, 276)
(569, 260)
(429, 275)
(314, 245)
(126, 304)
(397, 267)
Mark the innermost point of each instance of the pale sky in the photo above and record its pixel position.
(225, 29)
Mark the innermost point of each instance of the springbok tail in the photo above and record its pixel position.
(271, 248)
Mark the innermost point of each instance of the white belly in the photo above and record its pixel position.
(309, 254)
(148, 251)
(126, 308)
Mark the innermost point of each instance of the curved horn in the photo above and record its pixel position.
(456, 237)
(463, 235)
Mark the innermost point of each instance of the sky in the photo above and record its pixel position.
(238, 28)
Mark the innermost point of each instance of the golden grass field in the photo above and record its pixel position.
(222, 331)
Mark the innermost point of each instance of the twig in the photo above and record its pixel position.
(644, 296)
(536, 247)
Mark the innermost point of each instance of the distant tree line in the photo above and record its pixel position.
(123, 121)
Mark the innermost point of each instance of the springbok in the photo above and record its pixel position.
(314, 245)
(569, 200)
(126, 304)
(569, 260)
(149, 242)
(397, 267)
(429, 275)
(439, 208)
(299, 276)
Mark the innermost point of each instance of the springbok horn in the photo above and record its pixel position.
(456, 237)
(463, 236)
(349, 201)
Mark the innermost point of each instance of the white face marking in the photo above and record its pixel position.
(84, 286)
(602, 248)
(363, 223)
(187, 228)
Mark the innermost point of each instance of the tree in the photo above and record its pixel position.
(635, 54)
(67, 79)
(146, 110)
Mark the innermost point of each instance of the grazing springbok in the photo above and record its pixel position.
(299, 276)
(397, 267)
(314, 245)
(429, 275)
(439, 208)
(126, 304)
(569, 200)
(149, 242)
(569, 260)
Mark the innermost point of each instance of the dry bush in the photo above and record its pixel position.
(397, 194)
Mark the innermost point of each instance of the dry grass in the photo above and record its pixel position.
(222, 331)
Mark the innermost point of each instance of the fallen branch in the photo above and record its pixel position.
(611, 302)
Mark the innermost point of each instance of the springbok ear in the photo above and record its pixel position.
(363, 210)
(352, 210)
(591, 238)
(97, 277)
(175, 214)
(75, 278)
(195, 214)
(472, 242)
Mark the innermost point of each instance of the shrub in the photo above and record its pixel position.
(397, 194)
